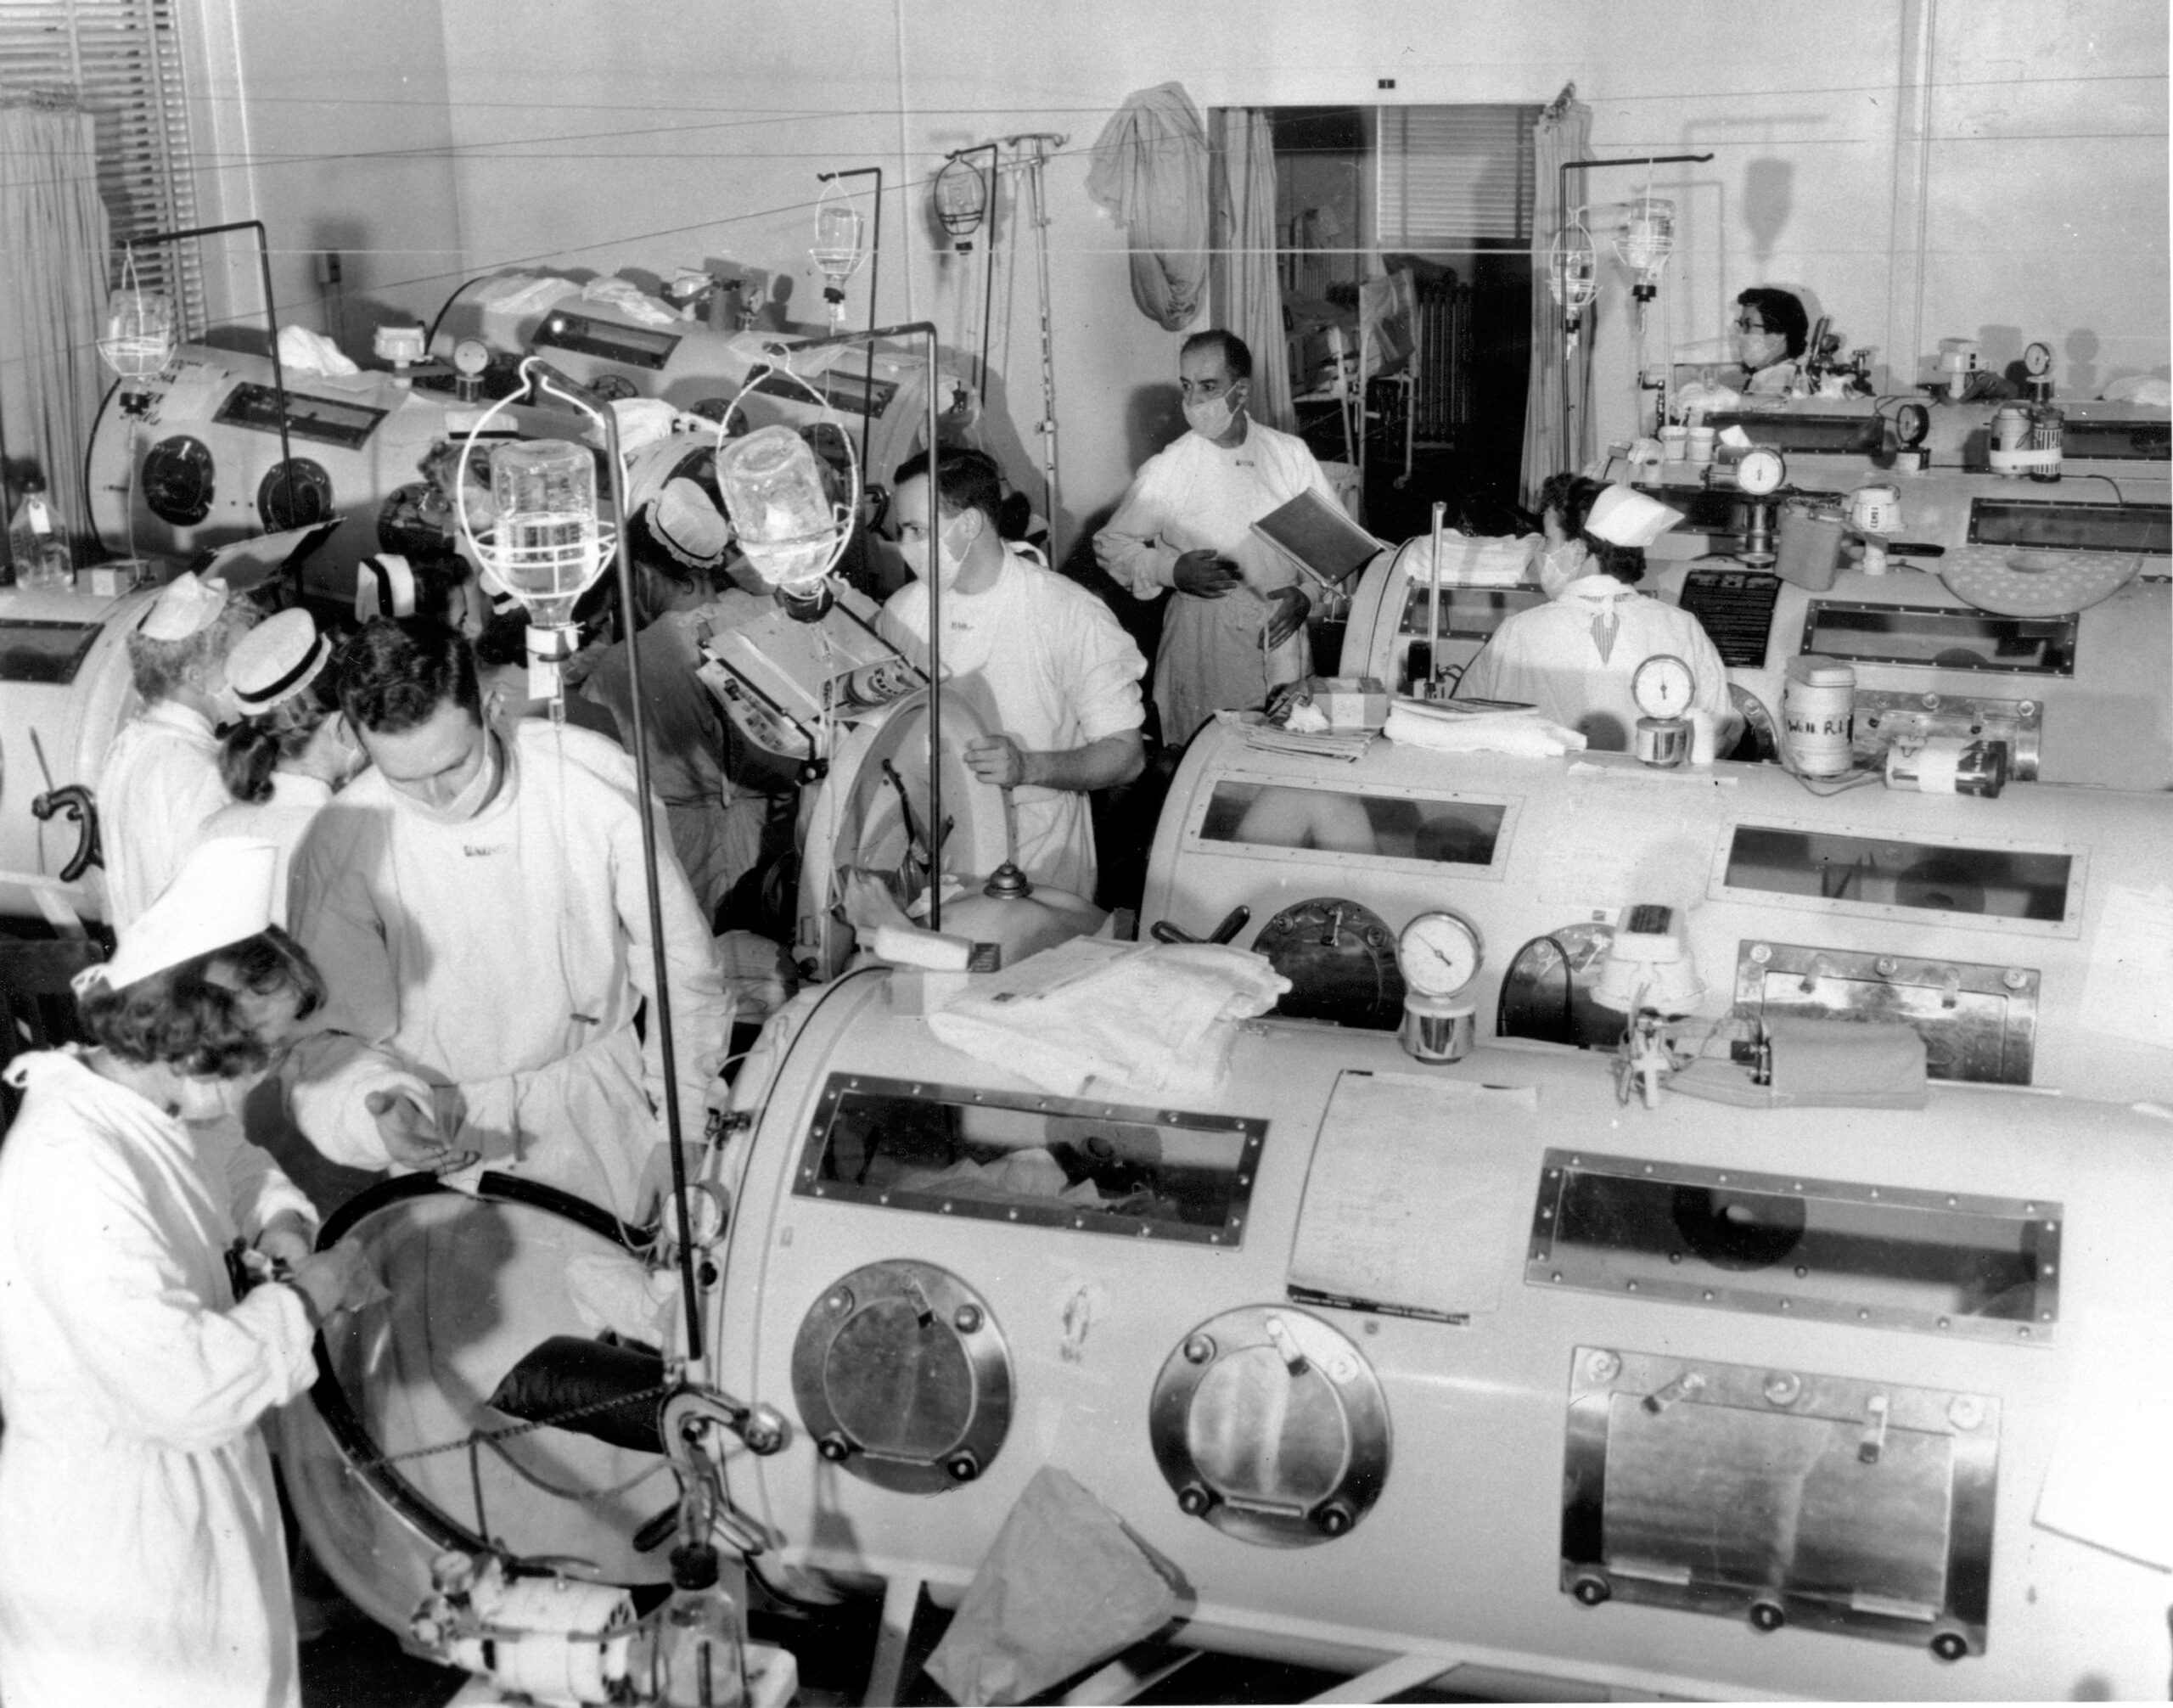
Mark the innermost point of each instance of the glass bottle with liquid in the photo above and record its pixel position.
(37, 544)
(547, 546)
(701, 1652)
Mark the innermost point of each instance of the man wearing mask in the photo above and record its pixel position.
(1237, 627)
(162, 779)
(477, 901)
(1039, 658)
(1771, 332)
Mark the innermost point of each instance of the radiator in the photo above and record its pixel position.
(1443, 399)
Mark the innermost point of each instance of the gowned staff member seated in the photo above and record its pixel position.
(1772, 332)
(477, 902)
(1237, 627)
(1577, 656)
(1040, 658)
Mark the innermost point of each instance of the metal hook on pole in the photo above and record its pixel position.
(1035, 145)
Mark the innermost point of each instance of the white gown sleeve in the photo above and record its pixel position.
(702, 1007)
(1109, 667)
(162, 1367)
(1130, 548)
(258, 1188)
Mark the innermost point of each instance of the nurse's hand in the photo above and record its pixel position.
(1204, 576)
(286, 1239)
(1291, 607)
(997, 760)
(409, 1134)
(333, 1280)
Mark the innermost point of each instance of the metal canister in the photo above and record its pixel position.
(2047, 429)
(2011, 427)
(1809, 552)
(1948, 765)
(1818, 704)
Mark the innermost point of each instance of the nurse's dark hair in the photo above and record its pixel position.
(965, 479)
(1237, 354)
(1783, 311)
(1570, 498)
(1626, 563)
(396, 671)
(179, 1018)
(250, 750)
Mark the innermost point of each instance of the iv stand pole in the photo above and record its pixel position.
(1042, 142)
(547, 382)
(924, 330)
(271, 324)
(1561, 213)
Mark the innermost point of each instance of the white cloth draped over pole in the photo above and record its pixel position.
(1562, 133)
(1150, 171)
(1246, 297)
(54, 245)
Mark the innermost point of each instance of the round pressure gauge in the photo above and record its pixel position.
(1439, 954)
(1760, 471)
(1663, 686)
(1912, 425)
(470, 356)
(2037, 361)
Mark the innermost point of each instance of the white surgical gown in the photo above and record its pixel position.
(502, 960)
(141, 1557)
(160, 783)
(1196, 495)
(1561, 657)
(1044, 662)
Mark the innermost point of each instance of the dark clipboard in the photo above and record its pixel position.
(1319, 538)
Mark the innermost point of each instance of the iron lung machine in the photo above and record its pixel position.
(191, 459)
(2081, 696)
(2006, 930)
(1472, 1366)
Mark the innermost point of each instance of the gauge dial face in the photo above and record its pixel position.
(2037, 360)
(1663, 686)
(1912, 425)
(471, 355)
(1760, 471)
(1439, 954)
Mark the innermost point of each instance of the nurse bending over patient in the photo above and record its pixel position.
(141, 1556)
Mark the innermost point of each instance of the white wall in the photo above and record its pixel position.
(1921, 167)
(330, 122)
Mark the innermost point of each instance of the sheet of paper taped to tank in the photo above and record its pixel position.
(1418, 1194)
(2130, 991)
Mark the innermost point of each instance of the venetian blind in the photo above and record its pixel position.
(122, 60)
(1449, 175)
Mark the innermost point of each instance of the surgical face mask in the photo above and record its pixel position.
(1760, 349)
(1561, 566)
(211, 1099)
(1209, 417)
(950, 559)
(469, 801)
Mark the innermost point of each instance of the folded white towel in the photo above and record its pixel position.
(1443, 730)
(1158, 1020)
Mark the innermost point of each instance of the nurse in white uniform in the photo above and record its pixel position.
(1042, 660)
(141, 1557)
(291, 749)
(1577, 656)
(160, 780)
(1236, 624)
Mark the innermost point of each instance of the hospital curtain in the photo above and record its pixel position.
(53, 289)
(1562, 133)
(1245, 294)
